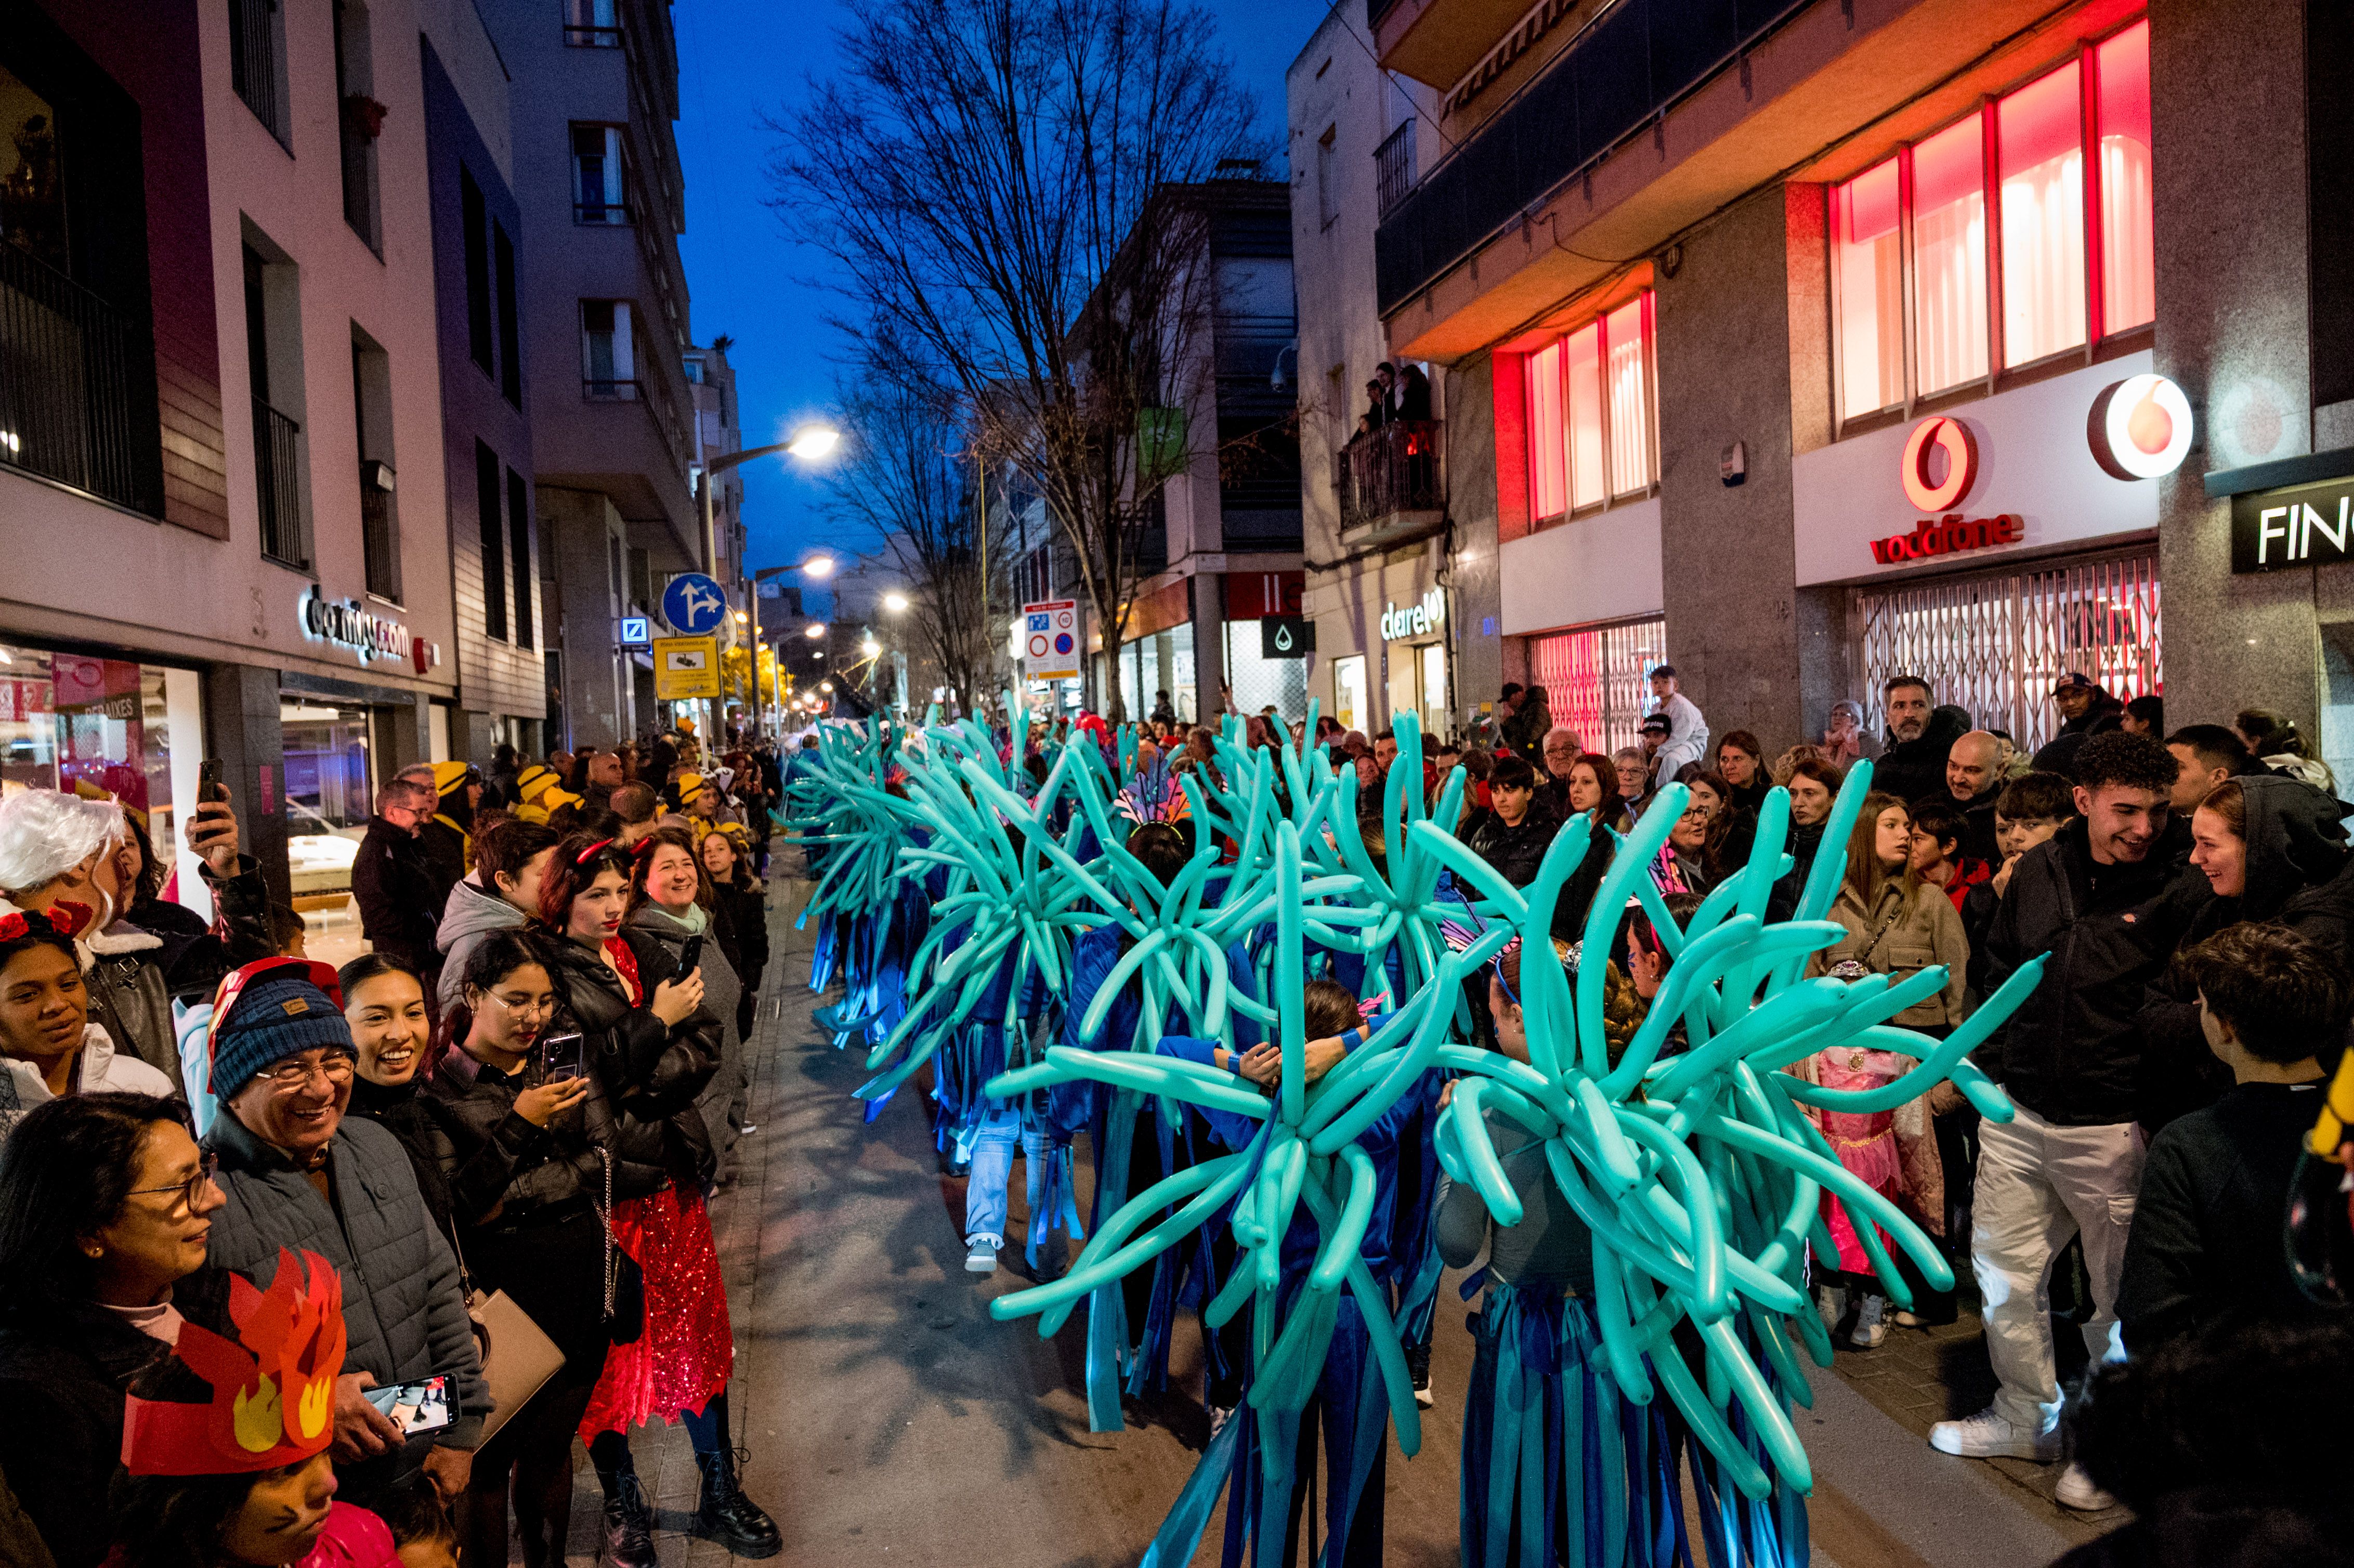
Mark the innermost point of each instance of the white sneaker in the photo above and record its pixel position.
(1870, 1330)
(1423, 1396)
(980, 1257)
(2077, 1490)
(1987, 1435)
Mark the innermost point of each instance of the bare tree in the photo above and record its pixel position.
(900, 474)
(1002, 186)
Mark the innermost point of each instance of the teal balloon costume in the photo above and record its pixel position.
(1687, 1159)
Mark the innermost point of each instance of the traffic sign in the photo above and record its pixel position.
(1050, 640)
(685, 667)
(635, 633)
(693, 604)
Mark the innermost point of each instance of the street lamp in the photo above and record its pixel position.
(895, 602)
(808, 443)
(815, 629)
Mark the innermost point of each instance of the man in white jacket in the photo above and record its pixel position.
(1687, 730)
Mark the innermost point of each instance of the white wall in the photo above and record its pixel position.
(1604, 567)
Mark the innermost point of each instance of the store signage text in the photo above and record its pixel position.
(1945, 535)
(369, 635)
(2308, 525)
(1415, 620)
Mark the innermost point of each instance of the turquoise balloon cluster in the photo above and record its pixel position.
(1697, 1173)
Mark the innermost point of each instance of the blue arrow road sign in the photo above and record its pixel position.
(693, 604)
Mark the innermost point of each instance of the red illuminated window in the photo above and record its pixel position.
(1592, 397)
(1999, 272)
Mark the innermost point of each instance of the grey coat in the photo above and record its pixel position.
(470, 916)
(403, 1313)
(721, 988)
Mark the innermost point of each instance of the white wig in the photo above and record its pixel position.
(44, 833)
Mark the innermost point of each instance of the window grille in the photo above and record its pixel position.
(1598, 678)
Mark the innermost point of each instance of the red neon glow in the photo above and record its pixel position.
(1961, 451)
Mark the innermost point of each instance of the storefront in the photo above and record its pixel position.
(1991, 548)
(1383, 634)
(1259, 675)
(1156, 654)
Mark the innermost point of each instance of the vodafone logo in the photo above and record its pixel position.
(1945, 449)
(2141, 428)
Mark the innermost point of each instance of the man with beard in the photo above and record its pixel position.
(1914, 763)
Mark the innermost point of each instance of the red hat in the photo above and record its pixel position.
(273, 1387)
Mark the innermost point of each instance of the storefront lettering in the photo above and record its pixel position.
(1415, 620)
(2311, 525)
(348, 626)
(1945, 535)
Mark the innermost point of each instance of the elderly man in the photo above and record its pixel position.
(391, 881)
(1563, 748)
(298, 1176)
(1973, 778)
(1687, 730)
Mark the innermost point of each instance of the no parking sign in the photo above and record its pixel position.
(1050, 640)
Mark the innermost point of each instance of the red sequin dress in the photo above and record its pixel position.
(686, 1350)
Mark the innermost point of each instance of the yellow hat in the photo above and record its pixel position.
(556, 799)
(449, 778)
(690, 785)
(534, 778)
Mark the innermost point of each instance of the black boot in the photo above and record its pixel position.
(629, 1525)
(726, 1515)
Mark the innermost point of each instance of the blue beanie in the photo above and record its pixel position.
(280, 1014)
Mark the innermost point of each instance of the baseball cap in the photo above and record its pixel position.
(2076, 681)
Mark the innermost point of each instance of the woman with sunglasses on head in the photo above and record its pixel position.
(655, 1048)
(106, 1205)
(48, 1046)
(520, 1134)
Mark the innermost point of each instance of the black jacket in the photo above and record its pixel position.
(2206, 1254)
(393, 885)
(2074, 1051)
(1515, 853)
(1908, 770)
(743, 915)
(493, 1163)
(62, 1378)
(1979, 841)
(651, 1073)
(442, 844)
(1806, 841)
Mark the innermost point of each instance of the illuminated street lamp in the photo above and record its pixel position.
(895, 602)
(815, 629)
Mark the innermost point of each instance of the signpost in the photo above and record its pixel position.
(694, 605)
(1050, 640)
(635, 633)
(685, 668)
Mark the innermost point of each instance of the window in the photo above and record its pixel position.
(607, 367)
(1349, 691)
(257, 65)
(510, 325)
(359, 117)
(474, 226)
(596, 189)
(592, 24)
(519, 539)
(1591, 402)
(1995, 207)
(273, 351)
(1328, 177)
(494, 542)
(372, 412)
(1596, 679)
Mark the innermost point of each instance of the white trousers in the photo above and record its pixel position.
(2038, 1185)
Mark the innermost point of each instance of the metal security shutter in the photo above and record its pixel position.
(1993, 643)
(1596, 679)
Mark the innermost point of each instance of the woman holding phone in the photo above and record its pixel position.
(522, 1157)
(654, 1047)
(671, 908)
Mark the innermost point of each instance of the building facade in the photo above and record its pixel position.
(1813, 344)
(604, 334)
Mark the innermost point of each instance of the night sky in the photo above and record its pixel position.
(739, 58)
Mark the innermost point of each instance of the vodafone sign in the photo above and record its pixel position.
(2141, 428)
(1939, 444)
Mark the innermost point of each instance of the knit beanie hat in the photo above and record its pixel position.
(690, 785)
(279, 1014)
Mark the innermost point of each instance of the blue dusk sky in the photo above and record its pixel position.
(741, 59)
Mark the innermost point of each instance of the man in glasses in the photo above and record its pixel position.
(299, 1176)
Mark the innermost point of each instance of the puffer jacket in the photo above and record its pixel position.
(102, 1070)
(1515, 851)
(2075, 1053)
(402, 1309)
(722, 994)
(469, 916)
(492, 1160)
(653, 1073)
(1899, 935)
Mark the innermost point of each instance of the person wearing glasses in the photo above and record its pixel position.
(47, 1043)
(300, 1175)
(106, 1204)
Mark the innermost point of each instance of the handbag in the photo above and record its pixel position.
(518, 1357)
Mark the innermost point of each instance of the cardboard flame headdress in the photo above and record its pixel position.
(273, 1386)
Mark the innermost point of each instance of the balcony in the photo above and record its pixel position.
(278, 479)
(77, 387)
(1394, 167)
(1628, 65)
(1390, 480)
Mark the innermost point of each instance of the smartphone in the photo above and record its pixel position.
(560, 1058)
(208, 782)
(414, 1407)
(690, 957)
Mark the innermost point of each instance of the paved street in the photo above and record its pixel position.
(889, 1419)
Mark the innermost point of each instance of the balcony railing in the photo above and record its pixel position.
(379, 532)
(1392, 470)
(1394, 166)
(253, 60)
(611, 214)
(77, 387)
(611, 391)
(1636, 59)
(278, 476)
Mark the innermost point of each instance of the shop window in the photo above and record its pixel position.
(2025, 153)
(1434, 712)
(2040, 147)
(1257, 681)
(1349, 692)
(1596, 679)
(330, 790)
(1592, 397)
(2121, 113)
